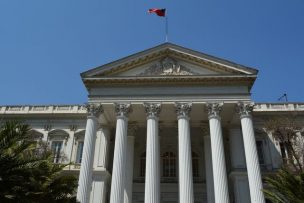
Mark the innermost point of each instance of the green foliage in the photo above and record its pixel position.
(285, 187)
(27, 173)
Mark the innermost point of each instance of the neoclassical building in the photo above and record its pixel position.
(164, 125)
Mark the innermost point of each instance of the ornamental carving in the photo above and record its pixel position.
(122, 109)
(132, 128)
(244, 109)
(94, 109)
(183, 109)
(214, 109)
(205, 128)
(167, 66)
(73, 127)
(152, 109)
(47, 127)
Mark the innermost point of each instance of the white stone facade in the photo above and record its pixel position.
(165, 125)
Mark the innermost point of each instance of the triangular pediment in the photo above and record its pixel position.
(168, 60)
(167, 66)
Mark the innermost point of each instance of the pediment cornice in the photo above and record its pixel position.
(171, 80)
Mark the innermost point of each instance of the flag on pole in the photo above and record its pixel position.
(160, 12)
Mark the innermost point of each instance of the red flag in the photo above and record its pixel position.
(158, 11)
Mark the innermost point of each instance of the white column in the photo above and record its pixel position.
(85, 176)
(208, 168)
(120, 151)
(152, 184)
(252, 161)
(184, 153)
(130, 165)
(221, 193)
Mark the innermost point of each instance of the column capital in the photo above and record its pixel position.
(122, 109)
(183, 109)
(244, 109)
(94, 110)
(152, 109)
(214, 109)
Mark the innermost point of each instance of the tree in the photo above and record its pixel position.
(27, 172)
(287, 132)
(287, 185)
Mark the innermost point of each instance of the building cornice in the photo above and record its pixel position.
(43, 109)
(278, 107)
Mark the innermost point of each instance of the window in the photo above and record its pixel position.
(259, 144)
(195, 165)
(143, 164)
(79, 152)
(283, 152)
(169, 164)
(56, 149)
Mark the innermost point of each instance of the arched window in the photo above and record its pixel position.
(79, 141)
(57, 139)
(195, 164)
(143, 164)
(169, 164)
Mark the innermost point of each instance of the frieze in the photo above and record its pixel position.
(167, 66)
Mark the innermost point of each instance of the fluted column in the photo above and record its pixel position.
(120, 151)
(85, 175)
(152, 184)
(184, 153)
(252, 161)
(130, 165)
(221, 193)
(208, 165)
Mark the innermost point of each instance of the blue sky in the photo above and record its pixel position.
(45, 45)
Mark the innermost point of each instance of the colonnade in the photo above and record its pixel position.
(219, 184)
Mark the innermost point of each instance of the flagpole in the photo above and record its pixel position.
(167, 37)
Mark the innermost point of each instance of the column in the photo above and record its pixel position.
(85, 176)
(221, 193)
(120, 150)
(184, 153)
(208, 166)
(252, 161)
(152, 184)
(130, 165)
